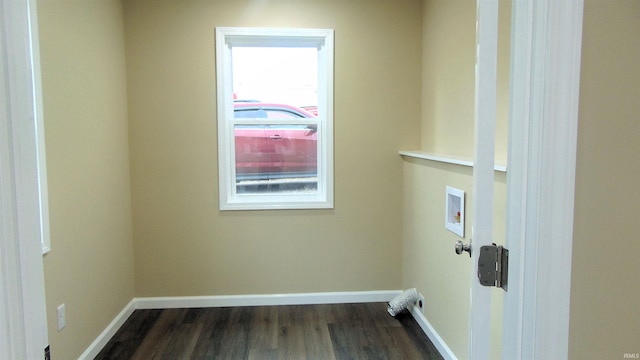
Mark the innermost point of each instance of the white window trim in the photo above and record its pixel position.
(225, 39)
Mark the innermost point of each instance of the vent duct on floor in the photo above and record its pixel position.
(403, 301)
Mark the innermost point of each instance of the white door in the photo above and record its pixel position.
(544, 95)
(483, 171)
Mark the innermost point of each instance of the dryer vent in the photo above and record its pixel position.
(403, 301)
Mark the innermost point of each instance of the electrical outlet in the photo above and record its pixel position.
(420, 302)
(62, 317)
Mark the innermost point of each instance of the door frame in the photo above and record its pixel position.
(545, 80)
(22, 305)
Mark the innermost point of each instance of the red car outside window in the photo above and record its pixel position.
(274, 151)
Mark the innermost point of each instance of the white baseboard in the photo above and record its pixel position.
(231, 300)
(265, 300)
(437, 341)
(94, 349)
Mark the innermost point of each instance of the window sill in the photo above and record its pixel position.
(449, 159)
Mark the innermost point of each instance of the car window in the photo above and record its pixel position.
(253, 113)
(250, 113)
(282, 114)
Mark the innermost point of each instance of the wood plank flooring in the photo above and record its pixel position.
(334, 332)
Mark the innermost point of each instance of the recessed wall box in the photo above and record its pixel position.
(454, 211)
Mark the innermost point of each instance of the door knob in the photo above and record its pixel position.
(461, 247)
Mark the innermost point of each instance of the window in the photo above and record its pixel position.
(275, 118)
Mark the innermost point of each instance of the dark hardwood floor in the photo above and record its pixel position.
(343, 331)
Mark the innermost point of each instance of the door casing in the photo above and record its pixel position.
(22, 308)
(544, 96)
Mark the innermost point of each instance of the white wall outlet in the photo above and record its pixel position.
(420, 302)
(62, 317)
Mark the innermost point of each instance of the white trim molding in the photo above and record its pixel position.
(23, 329)
(545, 77)
(101, 341)
(265, 300)
(432, 334)
(447, 159)
(38, 114)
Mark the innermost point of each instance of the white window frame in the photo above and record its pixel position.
(226, 38)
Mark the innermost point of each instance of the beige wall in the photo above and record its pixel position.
(183, 244)
(90, 266)
(429, 261)
(448, 77)
(605, 316)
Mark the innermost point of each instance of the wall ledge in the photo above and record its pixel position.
(449, 159)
